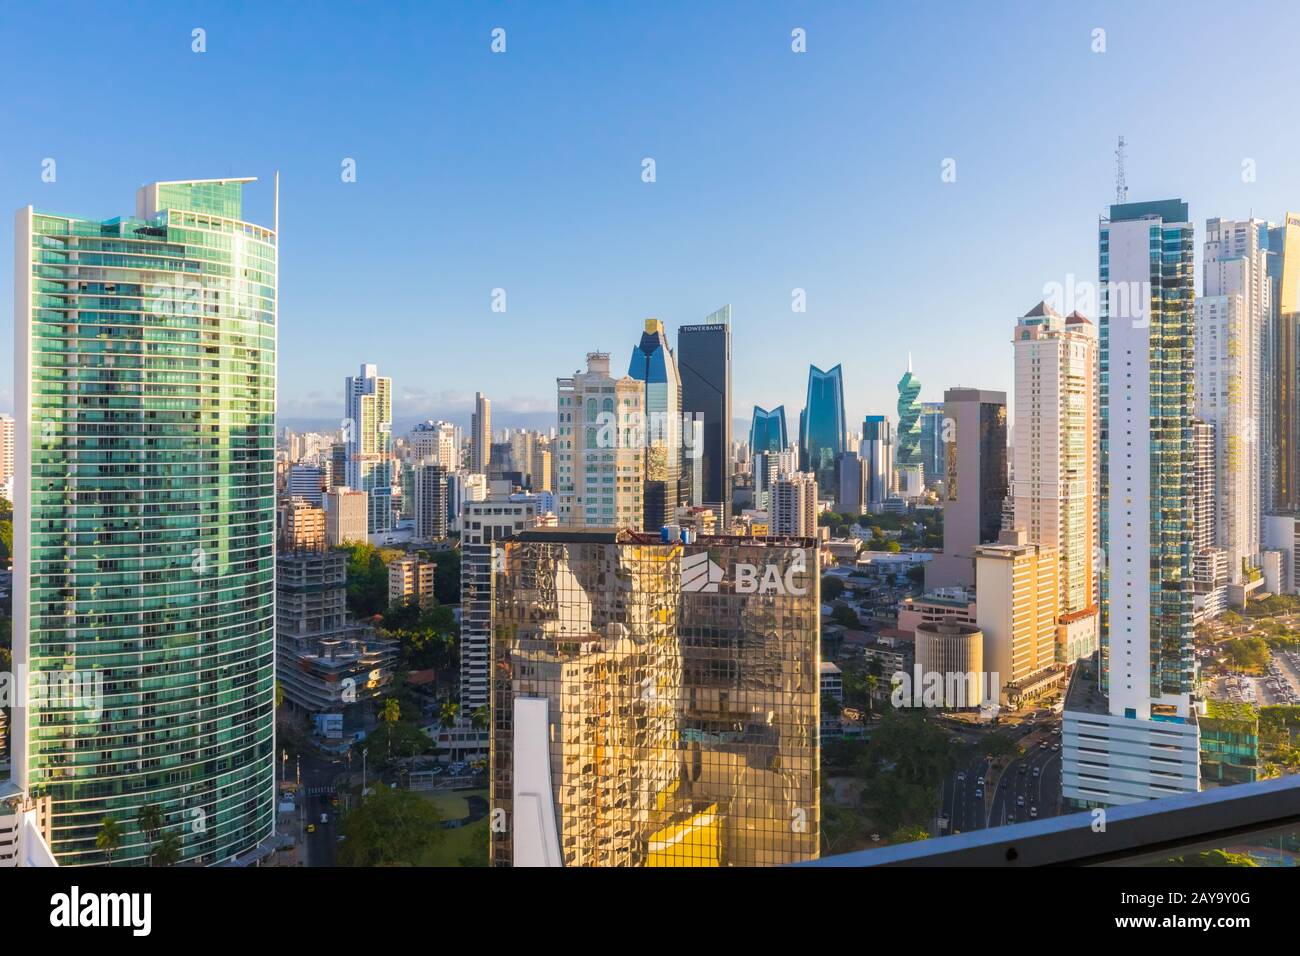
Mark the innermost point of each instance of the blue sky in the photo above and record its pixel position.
(775, 171)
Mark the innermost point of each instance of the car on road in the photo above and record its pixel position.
(1033, 811)
(979, 791)
(311, 828)
(1023, 769)
(961, 776)
(979, 781)
(1036, 771)
(1020, 801)
(1055, 747)
(324, 818)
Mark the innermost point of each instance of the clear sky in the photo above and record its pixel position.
(774, 171)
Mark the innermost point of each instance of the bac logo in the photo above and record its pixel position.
(700, 574)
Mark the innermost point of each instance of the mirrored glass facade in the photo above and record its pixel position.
(822, 427)
(145, 553)
(654, 704)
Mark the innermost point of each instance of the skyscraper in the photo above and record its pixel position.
(1232, 318)
(653, 364)
(368, 443)
(1017, 584)
(704, 361)
(1144, 742)
(1055, 467)
(909, 419)
(822, 428)
(851, 484)
(6, 451)
(877, 451)
(430, 500)
(793, 505)
(600, 448)
(651, 709)
(1284, 361)
(480, 435)
(145, 521)
(933, 448)
(435, 441)
(976, 483)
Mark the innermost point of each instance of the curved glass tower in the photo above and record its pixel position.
(767, 431)
(653, 363)
(909, 420)
(144, 590)
(822, 426)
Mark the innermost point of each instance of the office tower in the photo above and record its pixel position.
(436, 442)
(6, 450)
(484, 524)
(950, 660)
(1017, 584)
(793, 508)
(1282, 538)
(144, 520)
(1283, 354)
(600, 448)
(346, 516)
(704, 361)
(303, 526)
(338, 465)
(1232, 318)
(480, 434)
(368, 443)
(767, 440)
(650, 708)
(653, 365)
(976, 484)
(909, 421)
(1142, 741)
(822, 428)
(305, 482)
(430, 501)
(851, 484)
(410, 581)
(933, 448)
(1054, 459)
(877, 451)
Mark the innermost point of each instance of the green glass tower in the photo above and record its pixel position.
(909, 419)
(144, 590)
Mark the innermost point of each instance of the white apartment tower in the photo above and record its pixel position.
(1054, 463)
(599, 448)
(793, 509)
(1231, 320)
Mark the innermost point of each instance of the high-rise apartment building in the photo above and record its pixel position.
(480, 434)
(435, 441)
(430, 489)
(305, 481)
(933, 447)
(793, 508)
(144, 521)
(704, 362)
(368, 443)
(767, 442)
(850, 484)
(6, 450)
(653, 365)
(1204, 490)
(1283, 361)
(877, 453)
(1054, 493)
(600, 448)
(303, 525)
(976, 484)
(1018, 590)
(484, 524)
(649, 708)
(346, 516)
(1142, 742)
(822, 430)
(1233, 318)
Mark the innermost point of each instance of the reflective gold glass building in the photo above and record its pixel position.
(654, 703)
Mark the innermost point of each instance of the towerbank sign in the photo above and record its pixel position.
(701, 575)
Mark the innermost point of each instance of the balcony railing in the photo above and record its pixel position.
(1257, 816)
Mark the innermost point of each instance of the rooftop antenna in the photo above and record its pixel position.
(1121, 187)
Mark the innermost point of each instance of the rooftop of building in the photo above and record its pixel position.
(628, 536)
(1084, 695)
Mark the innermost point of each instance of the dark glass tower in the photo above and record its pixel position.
(767, 431)
(821, 426)
(653, 363)
(704, 362)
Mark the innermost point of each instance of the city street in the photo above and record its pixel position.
(965, 811)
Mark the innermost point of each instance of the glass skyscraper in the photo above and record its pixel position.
(704, 361)
(767, 431)
(822, 427)
(653, 363)
(650, 707)
(144, 524)
(368, 442)
(909, 420)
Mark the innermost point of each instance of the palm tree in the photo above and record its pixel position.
(479, 719)
(109, 837)
(390, 715)
(149, 819)
(449, 712)
(168, 851)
